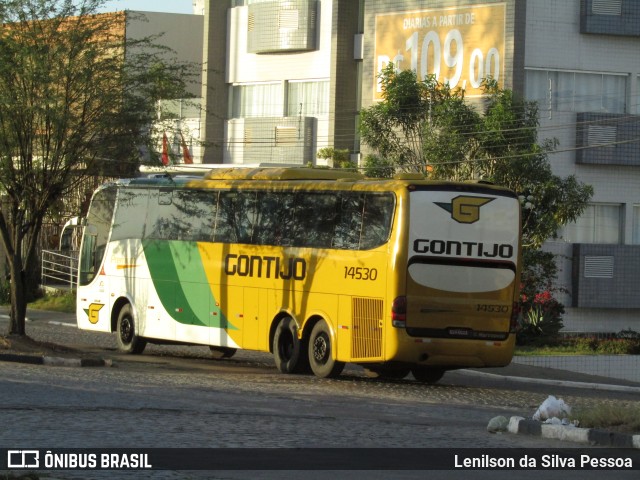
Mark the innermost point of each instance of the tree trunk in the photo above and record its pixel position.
(18, 298)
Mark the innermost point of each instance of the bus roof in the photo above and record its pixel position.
(307, 175)
(264, 173)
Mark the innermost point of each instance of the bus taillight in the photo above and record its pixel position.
(399, 312)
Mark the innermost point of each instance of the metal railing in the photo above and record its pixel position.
(60, 269)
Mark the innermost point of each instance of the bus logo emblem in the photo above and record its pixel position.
(465, 209)
(92, 312)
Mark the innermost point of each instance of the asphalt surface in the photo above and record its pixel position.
(98, 350)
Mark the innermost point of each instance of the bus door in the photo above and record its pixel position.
(92, 310)
(461, 272)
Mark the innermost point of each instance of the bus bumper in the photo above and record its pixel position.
(449, 352)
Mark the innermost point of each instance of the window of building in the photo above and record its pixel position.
(308, 99)
(636, 225)
(577, 92)
(636, 103)
(600, 223)
(256, 100)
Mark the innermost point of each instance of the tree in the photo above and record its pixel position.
(76, 98)
(425, 126)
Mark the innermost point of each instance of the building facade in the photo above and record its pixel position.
(284, 78)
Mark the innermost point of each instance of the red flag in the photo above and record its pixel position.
(165, 150)
(186, 154)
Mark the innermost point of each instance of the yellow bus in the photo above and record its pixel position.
(319, 267)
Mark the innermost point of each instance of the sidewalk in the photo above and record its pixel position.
(580, 371)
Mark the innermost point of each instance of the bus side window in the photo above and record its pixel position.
(377, 218)
(274, 223)
(196, 214)
(349, 227)
(316, 215)
(96, 234)
(236, 217)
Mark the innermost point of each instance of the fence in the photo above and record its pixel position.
(59, 269)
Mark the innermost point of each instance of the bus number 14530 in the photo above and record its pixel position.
(361, 273)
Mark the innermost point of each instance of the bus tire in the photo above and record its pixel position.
(287, 346)
(427, 374)
(321, 358)
(126, 337)
(219, 353)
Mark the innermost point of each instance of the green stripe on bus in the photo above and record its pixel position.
(181, 283)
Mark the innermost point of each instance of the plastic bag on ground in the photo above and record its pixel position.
(552, 407)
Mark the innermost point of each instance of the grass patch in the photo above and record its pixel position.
(625, 419)
(551, 350)
(581, 346)
(59, 302)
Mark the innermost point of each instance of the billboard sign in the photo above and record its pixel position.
(460, 46)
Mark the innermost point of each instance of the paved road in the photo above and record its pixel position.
(176, 397)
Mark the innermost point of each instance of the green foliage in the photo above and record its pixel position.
(425, 125)
(622, 418)
(377, 167)
(394, 127)
(56, 302)
(541, 318)
(340, 158)
(76, 98)
(580, 345)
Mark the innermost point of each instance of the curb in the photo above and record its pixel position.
(590, 436)
(55, 361)
(557, 383)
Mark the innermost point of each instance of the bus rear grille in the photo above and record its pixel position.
(366, 341)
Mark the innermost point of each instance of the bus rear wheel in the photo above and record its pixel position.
(288, 348)
(220, 353)
(321, 352)
(127, 339)
(427, 374)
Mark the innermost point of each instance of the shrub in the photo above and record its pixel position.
(541, 318)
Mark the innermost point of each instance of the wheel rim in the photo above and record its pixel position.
(126, 330)
(321, 349)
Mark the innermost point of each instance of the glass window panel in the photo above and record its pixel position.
(274, 225)
(308, 98)
(636, 103)
(598, 224)
(315, 219)
(636, 225)
(607, 224)
(588, 95)
(537, 87)
(563, 91)
(259, 100)
(378, 215)
(349, 227)
(94, 243)
(614, 93)
(187, 215)
(237, 213)
(130, 216)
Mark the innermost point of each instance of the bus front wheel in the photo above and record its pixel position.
(287, 346)
(321, 352)
(126, 337)
(427, 374)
